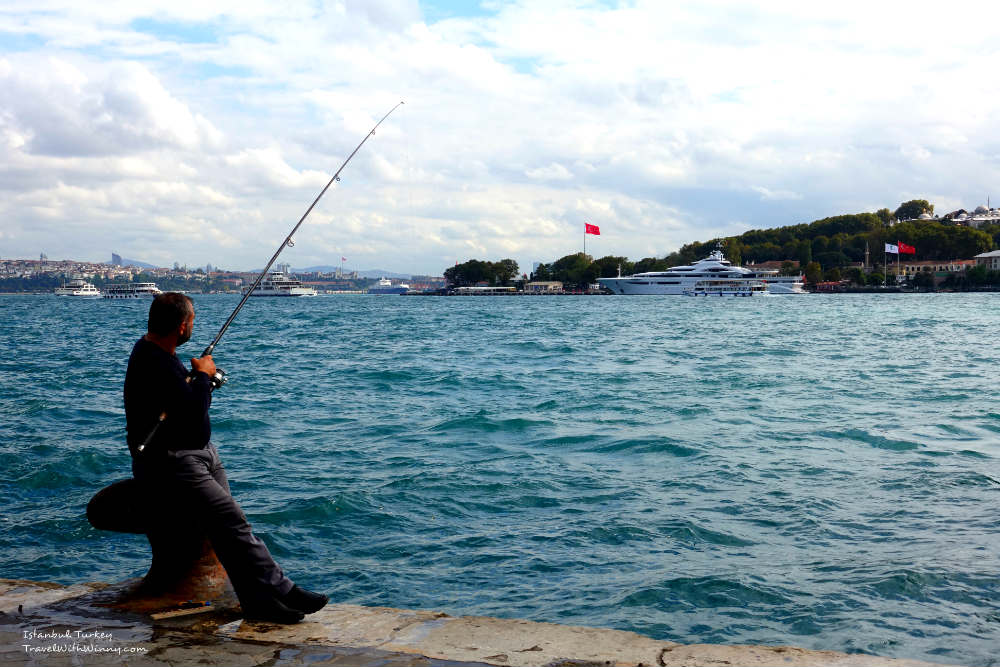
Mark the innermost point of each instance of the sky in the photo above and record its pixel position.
(200, 132)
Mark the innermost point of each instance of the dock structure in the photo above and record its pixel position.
(52, 624)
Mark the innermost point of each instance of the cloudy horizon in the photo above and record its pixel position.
(200, 132)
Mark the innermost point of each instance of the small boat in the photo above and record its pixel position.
(78, 287)
(727, 288)
(276, 283)
(131, 291)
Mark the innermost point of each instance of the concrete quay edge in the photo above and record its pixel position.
(352, 636)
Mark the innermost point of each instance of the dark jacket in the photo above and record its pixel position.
(156, 382)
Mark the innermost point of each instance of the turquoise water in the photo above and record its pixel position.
(819, 471)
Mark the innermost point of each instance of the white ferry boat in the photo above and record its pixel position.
(276, 283)
(677, 279)
(385, 286)
(78, 287)
(131, 291)
(727, 288)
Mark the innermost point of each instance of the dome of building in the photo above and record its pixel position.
(925, 216)
(981, 209)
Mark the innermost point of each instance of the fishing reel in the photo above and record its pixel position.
(219, 378)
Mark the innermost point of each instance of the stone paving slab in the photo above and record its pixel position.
(79, 620)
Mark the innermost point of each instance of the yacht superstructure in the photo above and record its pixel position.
(276, 283)
(78, 287)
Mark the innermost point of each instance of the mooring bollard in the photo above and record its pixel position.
(184, 568)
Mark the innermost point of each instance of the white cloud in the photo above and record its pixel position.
(201, 132)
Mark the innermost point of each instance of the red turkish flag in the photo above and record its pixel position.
(907, 249)
(591, 229)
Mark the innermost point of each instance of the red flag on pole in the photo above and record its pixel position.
(907, 249)
(591, 229)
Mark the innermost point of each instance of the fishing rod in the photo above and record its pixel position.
(220, 378)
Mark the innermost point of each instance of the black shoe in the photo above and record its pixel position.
(305, 601)
(274, 611)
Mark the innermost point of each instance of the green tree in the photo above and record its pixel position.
(789, 268)
(542, 272)
(886, 216)
(733, 250)
(833, 275)
(856, 276)
(805, 253)
(923, 280)
(913, 209)
(576, 269)
(875, 278)
(504, 271)
(977, 275)
(814, 272)
(608, 266)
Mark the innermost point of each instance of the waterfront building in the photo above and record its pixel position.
(541, 286)
(990, 259)
(935, 266)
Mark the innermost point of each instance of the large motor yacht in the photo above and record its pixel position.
(276, 283)
(78, 287)
(385, 286)
(678, 279)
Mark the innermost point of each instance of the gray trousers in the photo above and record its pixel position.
(189, 491)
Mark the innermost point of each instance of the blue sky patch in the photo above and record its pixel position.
(176, 31)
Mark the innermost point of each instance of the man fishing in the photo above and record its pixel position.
(179, 469)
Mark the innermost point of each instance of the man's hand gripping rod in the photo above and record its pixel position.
(220, 378)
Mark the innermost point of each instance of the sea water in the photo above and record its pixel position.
(820, 471)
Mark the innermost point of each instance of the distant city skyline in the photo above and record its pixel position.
(202, 131)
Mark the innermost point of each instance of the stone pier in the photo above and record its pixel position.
(84, 624)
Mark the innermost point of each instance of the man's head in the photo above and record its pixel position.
(171, 312)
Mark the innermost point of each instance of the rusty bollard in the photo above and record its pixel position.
(184, 568)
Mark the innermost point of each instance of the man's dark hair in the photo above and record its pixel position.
(168, 311)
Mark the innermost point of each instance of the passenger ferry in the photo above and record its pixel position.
(385, 286)
(78, 287)
(678, 279)
(276, 283)
(727, 288)
(131, 291)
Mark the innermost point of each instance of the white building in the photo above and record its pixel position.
(990, 259)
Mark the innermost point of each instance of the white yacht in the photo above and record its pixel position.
(78, 287)
(385, 286)
(677, 279)
(131, 291)
(276, 283)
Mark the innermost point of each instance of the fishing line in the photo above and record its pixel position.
(220, 377)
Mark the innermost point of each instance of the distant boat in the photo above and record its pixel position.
(276, 283)
(385, 286)
(727, 288)
(131, 291)
(78, 287)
